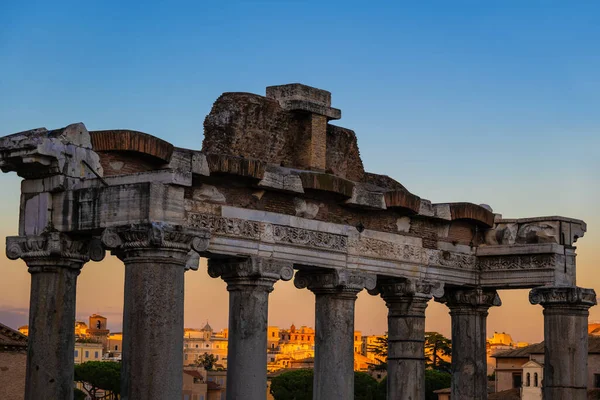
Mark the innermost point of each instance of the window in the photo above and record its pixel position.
(272, 345)
(77, 355)
(596, 380)
(116, 347)
(196, 346)
(207, 346)
(296, 337)
(528, 379)
(272, 334)
(217, 358)
(87, 354)
(535, 379)
(185, 356)
(517, 379)
(95, 354)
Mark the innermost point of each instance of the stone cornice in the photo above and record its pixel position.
(470, 298)
(54, 248)
(563, 296)
(334, 281)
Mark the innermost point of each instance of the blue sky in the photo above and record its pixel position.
(488, 102)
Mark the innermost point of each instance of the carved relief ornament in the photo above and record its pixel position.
(253, 270)
(156, 235)
(334, 280)
(476, 297)
(548, 296)
(50, 247)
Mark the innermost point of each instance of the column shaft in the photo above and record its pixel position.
(152, 326)
(469, 310)
(249, 282)
(155, 257)
(335, 292)
(406, 352)
(50, 358)
(334, 346)
(565, 340)
(247, 354)
(469, 367)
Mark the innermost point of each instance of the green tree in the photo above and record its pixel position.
(380, 349)
(298, 385)
(293, 385)
(365, 386)
(79, 394)
(435, 380)
(207, 361)
(99, 375)
(437, 346)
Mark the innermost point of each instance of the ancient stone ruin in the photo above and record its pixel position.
(276, 189)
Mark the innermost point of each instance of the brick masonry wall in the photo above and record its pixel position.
(121, 163)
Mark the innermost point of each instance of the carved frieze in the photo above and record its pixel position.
(549, 296)
(232, 227)
(520, 262)
(451, 260)
(334, 280)
(54, 246)
(376, 248)
(309, 238)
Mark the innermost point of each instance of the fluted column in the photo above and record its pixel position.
(566, 311)
(469, 310)
(249, 282)
(155, 257)
(406, 300)
(335, 293)
(54, 260)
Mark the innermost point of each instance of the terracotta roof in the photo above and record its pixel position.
(538, 348)
(213, 385)
(11, 339)
(193, 373)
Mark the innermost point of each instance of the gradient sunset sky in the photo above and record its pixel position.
(486, 102)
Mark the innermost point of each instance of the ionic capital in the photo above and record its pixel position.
(155, 236)
(401, 287)
(470, 299)
(252, 271)
(569, 297)
(334, 281)
(53, 249)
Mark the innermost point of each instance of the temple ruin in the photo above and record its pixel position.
(277, 192)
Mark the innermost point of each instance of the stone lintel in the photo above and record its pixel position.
(156, 236)
(563, 297)
(334, 281)
(250, 272)
(298, 97)
(53, 249)
(519, 249)
(364, 198)
(467, 299)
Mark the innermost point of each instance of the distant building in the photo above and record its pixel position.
(196, 342)
(88, 351)
(197, 386)
(513, 367)
(13, 361)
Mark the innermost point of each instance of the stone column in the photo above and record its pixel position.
(249, 282)
(469, 310)
(54, 260)
(565, 340)
(335, 293)
(155, 258)
(406, 301)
